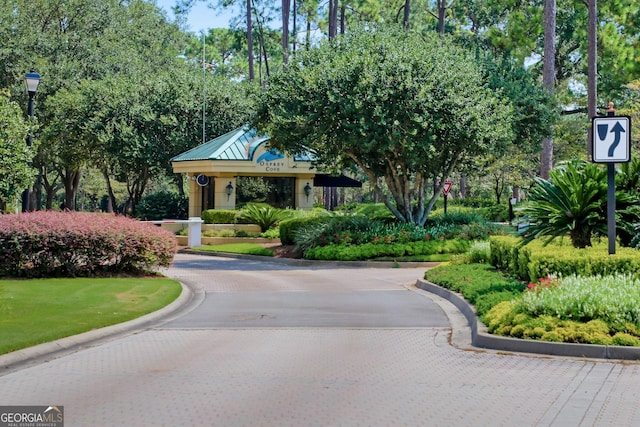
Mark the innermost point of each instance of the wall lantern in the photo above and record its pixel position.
(229, 190)
(307, 191)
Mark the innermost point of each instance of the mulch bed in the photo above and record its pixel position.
(285, 251)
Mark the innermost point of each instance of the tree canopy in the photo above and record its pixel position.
(122, 86)
(403, 107)
(15, 154)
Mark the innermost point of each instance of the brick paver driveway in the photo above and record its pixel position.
(265, 344)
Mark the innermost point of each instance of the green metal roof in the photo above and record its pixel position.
(239, 144)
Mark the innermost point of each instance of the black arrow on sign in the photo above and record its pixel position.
(617, 129)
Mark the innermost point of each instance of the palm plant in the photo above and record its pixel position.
(628, 202)
(572, 202)
(264, 215)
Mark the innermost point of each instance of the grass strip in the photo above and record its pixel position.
(237, 248)
(417, 258)
(42, 310)
(481, 284)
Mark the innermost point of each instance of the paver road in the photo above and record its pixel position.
(274, 345)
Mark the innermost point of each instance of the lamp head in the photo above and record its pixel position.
(32, 80)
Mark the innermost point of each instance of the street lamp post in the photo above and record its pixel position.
(31, 79)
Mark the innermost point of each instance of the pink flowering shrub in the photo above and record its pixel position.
(70, 244)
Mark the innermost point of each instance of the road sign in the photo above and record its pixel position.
(446, 187)
(611, 139)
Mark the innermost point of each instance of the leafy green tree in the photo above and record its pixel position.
(405, 108)
(162, 205)
(252, 189)
(15, 156)
(81, 41)
(507, 170)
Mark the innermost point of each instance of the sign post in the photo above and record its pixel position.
(445, 191)
(611, 144)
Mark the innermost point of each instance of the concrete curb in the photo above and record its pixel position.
(314, 263)
(482, 339)
(49, 350)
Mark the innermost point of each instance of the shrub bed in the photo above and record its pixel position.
(536, 260)
(601, 310)
(70, 244)
(290, 227)
(360, 230)
(597, 309)
(377, 250)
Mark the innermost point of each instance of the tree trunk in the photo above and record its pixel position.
(294, 31)
(580, 238)
(498, 190)
(308, 34)
(333, 18)
(548, 79)
(463, 186)
(286, 7)
(179, 180)
(112, 197)
(37, 189)
(592, 69)
(263, 50)
(136, 189)
(71, 181)
(442, 12)
(407, 13)
(50, 189)
(250, 41)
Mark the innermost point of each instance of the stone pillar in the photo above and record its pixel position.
(195, 198)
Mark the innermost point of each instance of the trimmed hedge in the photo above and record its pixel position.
(71, 244)
(532, 261)
(219, 216)
(378, 250)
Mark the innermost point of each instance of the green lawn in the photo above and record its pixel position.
(43, 310)
(237, 248)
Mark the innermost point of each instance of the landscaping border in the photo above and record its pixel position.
(482, 339)
(312, 262)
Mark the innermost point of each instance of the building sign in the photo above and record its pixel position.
(271, 161)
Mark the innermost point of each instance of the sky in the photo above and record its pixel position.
(200, 18)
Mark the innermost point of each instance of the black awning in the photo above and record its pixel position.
(335, 181)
